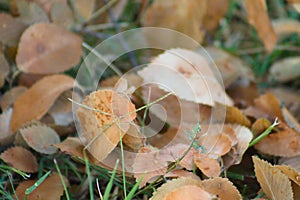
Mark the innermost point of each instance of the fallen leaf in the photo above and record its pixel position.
(72, 146)
(284, 27)
(290, 71)
(290, 172)
(48, 4)
(186, 16)
(51, 189)
(10, 30)
(5, 135)
(259, 126)
(231, 67)
(181, 173)
(293, 162)
(181, 185)
(261, 22)
(274, 183)
(216, 10)
(134, 138)
(21, 159)
(4, 68)
(61, 14)
(102, 129)
(208, 166)
(235, 116)
(290, 120)
(31, 13)
(187, 75)
(284, 143)
(84, 9)
(40, 138)
(190, 192)
(10, 96)
(36, 101)
(28, 80)
(60, 52)
(222, 188)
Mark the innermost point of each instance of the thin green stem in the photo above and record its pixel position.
(62, 179)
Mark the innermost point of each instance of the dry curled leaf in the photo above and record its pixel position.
(208, 166)
(40, 138)
(261, 22)
(36, 101)
(189, 15)
(273, 182)
(290, 71)
(21, 159)
(51, 189)
(10, 96)
(178, 187)
(59, 52)
(103, 130)
(10, 29)
(186, 74)
(222, 188)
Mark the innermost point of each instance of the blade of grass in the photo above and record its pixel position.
(88, 172)
(62, 179)
(37, 183)
(110, 183)
(134, 189)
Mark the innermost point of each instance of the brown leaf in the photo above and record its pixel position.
(72, 146)
(235, 116)
(60, 52)
(27, 80)
(261, 22)
(134, 138)
(290, 120)
(222, 188)
(209, 166)
(10, 30)
(270, 105)
(192, 82)
(216, 10)
(178, 187)
(293, 162)
(284, 27)
(5, 135)
(51, 189)
(190, 192)
(274, 183)
(186, 16)
(285, 143)
(40, 138)
(21, 159)
(101, 130)
(290, 172)
(181, 173)
(259, 126)
(35, 102)
(290, 71)
(48, 4)
(84, 9)
(10, 96)
(4, 67)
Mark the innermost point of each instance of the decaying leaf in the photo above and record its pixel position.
(208, 166)
(10, 96)
(61, 50)
(285, 143)
(216, 10)
(51, 189)
(273, 182)
(261, 22)
(21, 159)
(290, 71)
(10, 29)
(179, 187)
(35, 102)
(231, 67)
(222, 188)
(40, 138)
(104, 129)
(188, 75)
(189, 15)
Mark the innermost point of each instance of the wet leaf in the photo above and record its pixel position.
(178, 187)
(101, 129)
(222, 188)
(36, 101)
(60, 52)
(10, 96)
(189, 15)
(290, 71)
(40, 138)
(50, 189)
(261, 22)
(274, 183)
(10, 30)
(21, 159)
(184, 79)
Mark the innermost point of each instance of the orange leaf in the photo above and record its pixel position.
(35, 102)
(21, 159)
(261, 22)
(59, 52)
(209, 166)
